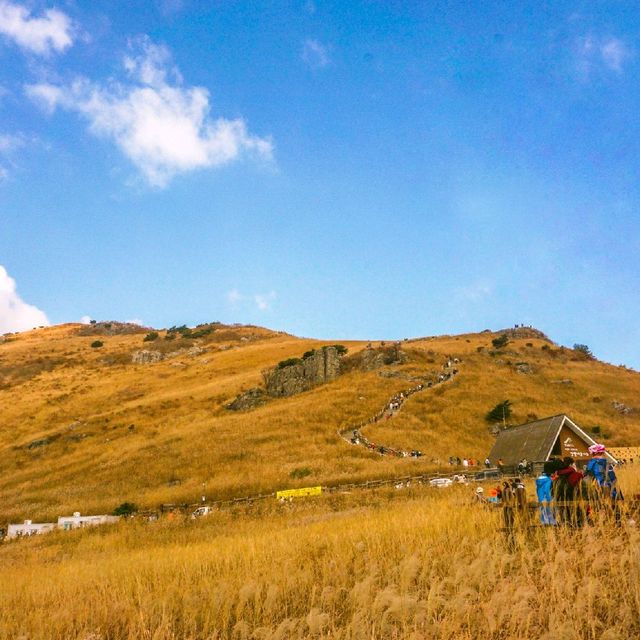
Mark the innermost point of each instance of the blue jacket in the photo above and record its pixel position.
(543, 488)
(602, 471)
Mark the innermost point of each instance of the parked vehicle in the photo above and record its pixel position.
(440, 482)
(201, 512)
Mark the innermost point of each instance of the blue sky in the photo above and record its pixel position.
(336, 170)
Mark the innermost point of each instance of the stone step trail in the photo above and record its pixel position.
(354, 436)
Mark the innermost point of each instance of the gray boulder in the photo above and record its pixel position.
(146, 357)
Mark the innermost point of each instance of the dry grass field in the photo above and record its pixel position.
(413, 563)
(156, 433)
(421, 563)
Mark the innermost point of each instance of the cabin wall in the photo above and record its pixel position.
(572, 445)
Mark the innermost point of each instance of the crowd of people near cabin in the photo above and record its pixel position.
(566, 494)
(392, 407)
(562, 485)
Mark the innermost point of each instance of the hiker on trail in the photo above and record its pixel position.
(567, 487)
(545, 497)
(478, 497)
(487, 463)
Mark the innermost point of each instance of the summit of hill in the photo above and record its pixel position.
(96, 415)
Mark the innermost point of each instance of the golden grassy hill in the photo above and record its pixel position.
(154, 433)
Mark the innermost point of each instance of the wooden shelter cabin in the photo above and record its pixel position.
(538, 441)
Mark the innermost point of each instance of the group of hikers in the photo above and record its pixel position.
(393, 406)
(456, 461)
(565, 493)
(561, 487)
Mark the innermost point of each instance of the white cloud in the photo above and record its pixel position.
(41, 35)
(475, 292)
(315, 54)
(263, 301)
(85, 320)
(234, 296)
(170, 7)
(135, 321)
(163, 127)
(15, 314)
(601, 54)
(8, 144)
(614, 53)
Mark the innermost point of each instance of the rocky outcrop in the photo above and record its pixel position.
(318, 367)
(523, 332)
(146, 357)
(523, 367)
(370, 358)
(248, 400)
(622, 408)
(110, 329)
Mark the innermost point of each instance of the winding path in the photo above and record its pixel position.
(354, 436)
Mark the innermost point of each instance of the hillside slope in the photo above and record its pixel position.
(83, 428)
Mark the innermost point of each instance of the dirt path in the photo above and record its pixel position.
(354, 436)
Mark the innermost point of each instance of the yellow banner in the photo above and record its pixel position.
(299, 493)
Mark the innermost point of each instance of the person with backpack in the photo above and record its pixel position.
(601, 471)
(567, 487)
(603, 477)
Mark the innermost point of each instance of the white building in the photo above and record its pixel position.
(76, 521)
(28, 528)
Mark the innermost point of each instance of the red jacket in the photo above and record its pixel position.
(573, 477)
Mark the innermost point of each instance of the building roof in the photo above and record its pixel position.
(534, 440)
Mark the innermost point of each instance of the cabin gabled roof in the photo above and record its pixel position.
(534, 440)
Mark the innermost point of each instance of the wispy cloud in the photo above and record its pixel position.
(264, 301)
(315, 54)
(475, 292)
(598, 54)
(8, 144)
(261, 301)
(52, 32)
(15, 314)
(614, 54)
(85, 320)
(162, 126)
(234, 296)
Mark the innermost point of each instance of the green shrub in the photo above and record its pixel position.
(96, 344)
(289, 362)
(151, 336)
(501, 341)
(200, 333)
(500, 413)
(125, 509)
(301, 472)
(308, 354)
(341, 349)
(583, 350)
